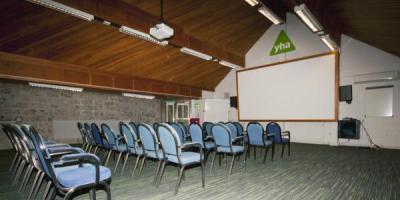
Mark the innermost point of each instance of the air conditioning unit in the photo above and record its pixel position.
(376, 77)
(161, 31)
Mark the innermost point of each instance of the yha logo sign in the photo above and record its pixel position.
(282, 45)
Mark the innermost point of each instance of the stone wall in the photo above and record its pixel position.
(40, 107)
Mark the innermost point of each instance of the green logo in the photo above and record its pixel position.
(282, 45)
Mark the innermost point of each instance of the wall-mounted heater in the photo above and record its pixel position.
(376, 77)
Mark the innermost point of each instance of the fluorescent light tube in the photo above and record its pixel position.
(270, 15)
(329, 42)
(195, 53)
(308, 18)
(138, 96)
(57, 87)
(252, 2)
(141, 35)
(228, 64)
(63, 8)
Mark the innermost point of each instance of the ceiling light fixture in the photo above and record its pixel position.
(63, 8)
(228, 64)
(270, 15)
(308, 18)
(329, 42)
(141, 35)
(195, 53)
(141, 96)
(252, 2)
(57, 87)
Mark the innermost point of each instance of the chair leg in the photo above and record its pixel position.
(40, 181)
(93, 194)
(255, 152)
(34, 184)
(17, 164)
(13, 162)
(247, 154)
(136, 164)
(19, 172)
(116, 165)
(28, 174)
(178, 183)
(141, 166)
(273, 151)
(212, 161)
(125, 161)
(202, 174)
(47, 190)
(108, 191)
(108, 157)
(157, 172)
(266, 153)
(69, 194)
(95, 149)
(283, 149)
(232, 162)
(162, 173)
(289, 148)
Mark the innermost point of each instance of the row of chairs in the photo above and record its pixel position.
(68, 171)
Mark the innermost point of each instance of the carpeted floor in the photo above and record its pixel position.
(311, 172)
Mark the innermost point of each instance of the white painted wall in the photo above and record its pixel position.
(356, 58)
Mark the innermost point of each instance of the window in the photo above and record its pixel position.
(170, 111)
(379, 101)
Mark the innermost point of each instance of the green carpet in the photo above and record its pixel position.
(311, 172)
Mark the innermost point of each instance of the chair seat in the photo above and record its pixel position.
(260, 143)
(136, 150)
(120, 147)
(235, 149)
(209, 145)
(186, 158)
(284, 140)
(152, 154)
(73, 176)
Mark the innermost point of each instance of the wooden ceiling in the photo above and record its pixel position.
(225, 29)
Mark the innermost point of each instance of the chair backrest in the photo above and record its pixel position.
(207, 128)
(82, 132)
(133, 126)
(109, 134)
(273, 127)
(179, 131)
(155, 126)
(129, 135)
(233, 129)
(148, 137)
(196, 133)
(169, 139)
(255, 132)
(94, 129)
(239, 128)
(222, 135)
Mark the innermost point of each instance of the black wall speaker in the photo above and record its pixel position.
(233, 101)
(349, 128)
(346, 93)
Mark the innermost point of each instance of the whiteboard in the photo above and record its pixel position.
(298, 90)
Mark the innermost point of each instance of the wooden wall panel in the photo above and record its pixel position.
(102, 80)
(124, 82)
(75, 76)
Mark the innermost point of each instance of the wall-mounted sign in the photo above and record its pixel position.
(282, 45)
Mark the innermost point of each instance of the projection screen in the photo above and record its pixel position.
(304, 89)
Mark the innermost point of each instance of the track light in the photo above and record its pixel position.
(195, 53)
(63, 8)
(57, 87)
(228, 64)
(141, 35)
(138, 96)
(308, 18)
(329, 42)
(252, 2)
(270, 15)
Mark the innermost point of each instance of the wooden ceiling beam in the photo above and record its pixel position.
(122, 13)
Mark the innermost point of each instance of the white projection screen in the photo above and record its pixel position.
(304, 89)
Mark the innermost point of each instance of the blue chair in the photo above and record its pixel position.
(273, 129)
(207, 128)
(84, 135)
(133, 126)
(239, 128)
(97, 138)
(151, 147)
(234, 131)
(258, 138)
(197, 135)
(155, 126)
(132, 145)
(72, 180)
(173, 147)
(179, 130)
(224, 141)
(113, 144)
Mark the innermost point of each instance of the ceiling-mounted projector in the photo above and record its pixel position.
(161, 31)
